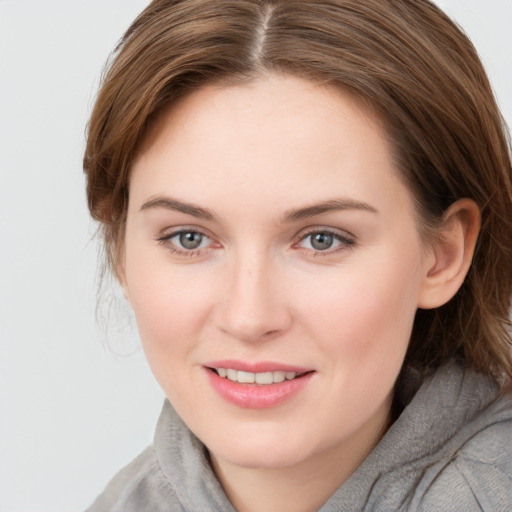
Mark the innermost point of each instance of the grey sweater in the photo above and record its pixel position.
(450, 450)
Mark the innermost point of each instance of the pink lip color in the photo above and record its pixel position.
(260, 367)
(253, 396)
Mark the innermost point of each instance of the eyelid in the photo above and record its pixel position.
(325, 229)
(170, 231)
(339, 233)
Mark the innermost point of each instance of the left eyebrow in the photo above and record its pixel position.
(324, 207)
(169, 203)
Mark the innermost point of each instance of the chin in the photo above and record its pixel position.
(263, 452)
(255, 459)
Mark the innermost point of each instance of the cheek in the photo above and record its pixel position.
(363, 324)
(169, 304)
(167, 312)
(364, 314)
(169, 329)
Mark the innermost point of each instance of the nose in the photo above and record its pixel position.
(254, 306)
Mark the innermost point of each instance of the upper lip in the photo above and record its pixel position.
(257, 367)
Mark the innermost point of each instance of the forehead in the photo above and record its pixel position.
(279, 137)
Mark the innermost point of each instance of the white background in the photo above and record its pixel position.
(71, 411)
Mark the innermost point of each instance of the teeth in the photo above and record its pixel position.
(246, 377)
(262, 379)
(232, 375)
(279, 376)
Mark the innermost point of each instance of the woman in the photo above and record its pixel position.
(309, 206)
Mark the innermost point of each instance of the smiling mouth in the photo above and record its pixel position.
(268, 385)
(260, 379)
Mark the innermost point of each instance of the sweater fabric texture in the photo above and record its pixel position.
(449, 450)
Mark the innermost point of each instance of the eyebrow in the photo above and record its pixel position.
(292, 215)
(324, 207)
(169, 203)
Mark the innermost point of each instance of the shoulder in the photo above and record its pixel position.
(139, 485)
(478, 476)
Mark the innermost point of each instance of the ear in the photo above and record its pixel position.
(121, 279)
(120, 274)
(450, 255)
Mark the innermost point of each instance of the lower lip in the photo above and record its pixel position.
(252, 396)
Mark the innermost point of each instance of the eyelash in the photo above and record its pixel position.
(345, 243)
(190, 253)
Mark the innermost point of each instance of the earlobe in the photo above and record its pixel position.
(450, 255)
(120, 274)
(125, 292)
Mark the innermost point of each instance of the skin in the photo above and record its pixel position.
(257, 290)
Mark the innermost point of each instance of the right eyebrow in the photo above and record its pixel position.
(324, 207)
(170, 203)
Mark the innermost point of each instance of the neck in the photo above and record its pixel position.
(272, 490)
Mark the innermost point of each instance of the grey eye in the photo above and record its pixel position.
(321, 241)
(190, 239)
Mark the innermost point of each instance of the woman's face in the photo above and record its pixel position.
(270, 239)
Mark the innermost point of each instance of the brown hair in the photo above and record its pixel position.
(405, 58)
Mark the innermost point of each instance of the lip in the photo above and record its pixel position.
(252, 396)
(257, 367)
